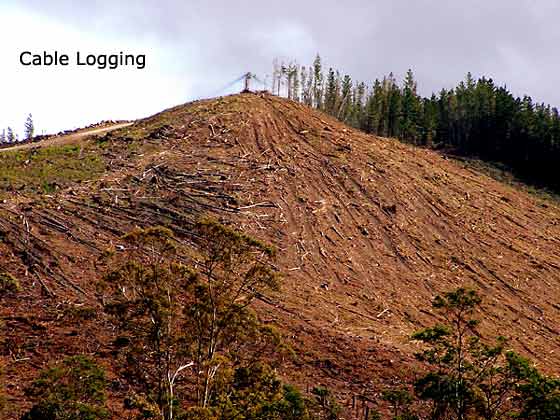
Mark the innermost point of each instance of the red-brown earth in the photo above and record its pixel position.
(368, 231)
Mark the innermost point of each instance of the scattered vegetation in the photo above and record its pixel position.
(74, 389)
(45, 169)
(191, 348)
(8, 283)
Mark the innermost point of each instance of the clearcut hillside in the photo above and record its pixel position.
(368, 231)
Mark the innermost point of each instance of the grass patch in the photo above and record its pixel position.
(43, 170)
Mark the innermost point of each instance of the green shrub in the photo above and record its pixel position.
(9, 283)
(71, 390)
(255, 393)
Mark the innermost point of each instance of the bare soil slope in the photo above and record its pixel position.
(368, 230)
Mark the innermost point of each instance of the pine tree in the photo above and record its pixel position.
(318, 83)
(283, 74)
(429, 121)
(474, 118)
(290, 73)
(305, 91)
(345, 107)
(337, 93)
(358, 105)
(394, 108)
(383, 98)
(3, 137)
(410, 109)
(373, 114)
(330, 93)
(295, 82)
(454, 119)
(309, 88)
(10, 137)
(29, 128)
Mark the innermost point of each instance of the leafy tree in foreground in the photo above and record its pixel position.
(470, 379)
(71, 390)
(145, 297)
(448, 386)
(181, 325)
(235, 269)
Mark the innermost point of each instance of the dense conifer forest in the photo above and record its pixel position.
(477, 118)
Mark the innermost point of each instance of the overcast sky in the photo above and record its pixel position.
(195, 47)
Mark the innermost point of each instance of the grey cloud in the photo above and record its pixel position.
(513, 41)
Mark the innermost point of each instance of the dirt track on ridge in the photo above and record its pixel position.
(67, 139)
